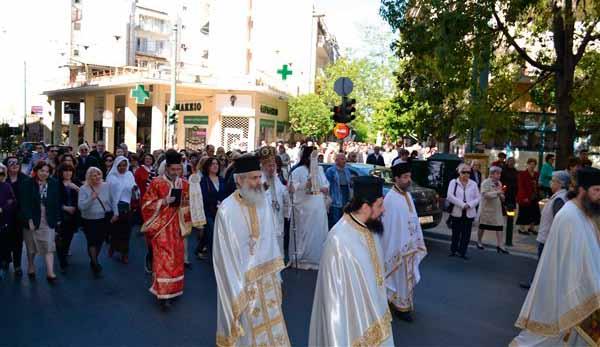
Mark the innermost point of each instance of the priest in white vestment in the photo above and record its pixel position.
(350, 307)
(403, 244)
(247, 263)
(566, 288)
(275, 191)
(311, 189)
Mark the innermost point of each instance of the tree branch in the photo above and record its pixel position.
(586, 39)
(520, 50)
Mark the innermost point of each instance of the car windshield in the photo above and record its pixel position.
(384, 173)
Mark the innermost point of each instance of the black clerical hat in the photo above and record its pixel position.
(367, 187)
(587, 177)
(172, 157)
(247, 163)
(400, 169)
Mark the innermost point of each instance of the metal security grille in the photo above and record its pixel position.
(234, 133)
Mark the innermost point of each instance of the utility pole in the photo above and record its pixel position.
(23, 133)
(172, 113)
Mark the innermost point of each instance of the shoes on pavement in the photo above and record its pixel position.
(480, 246)
(96, 268)
(405, 316)
(525, 285)
(465, 257)
(125, 259)
(522, 232)
(501, 250)
(18, 272)
(164, 304)
(202, 255)
(51, 279)
(532, 231)
(31, 275)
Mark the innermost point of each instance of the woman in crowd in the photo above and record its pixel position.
(95, 206)
(107, 164)
(68, 195)
(509, 178)
(18, 181)
(527, 198)
(476, 174)
(122, 185)
(464, 196)
(559, 184)
(8, 202)
(40, 207)
(145, 173)
(213, 192)
(222, 158)
(573, 165)
(68, 159)
(134, 162)
(491, 216)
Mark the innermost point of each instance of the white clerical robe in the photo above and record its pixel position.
(403, 248)
(310, 218)
(247, 263)
(278, 198)
(566, 286)
(350, 306)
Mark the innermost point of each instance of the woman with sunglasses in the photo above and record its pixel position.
(68, 192)
(107, 163)
(41, 209)
(17, 181)
(464, 196)
(7, 218)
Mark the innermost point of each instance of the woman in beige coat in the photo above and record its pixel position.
(490, 210)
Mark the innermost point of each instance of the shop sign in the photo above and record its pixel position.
(195, 120)
(267, 123)
(270, 110)
(186, 106)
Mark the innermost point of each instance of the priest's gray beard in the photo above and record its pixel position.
(254, 196)
(591, 208)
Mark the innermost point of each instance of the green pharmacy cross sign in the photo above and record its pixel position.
(284, 72)
(140, 94)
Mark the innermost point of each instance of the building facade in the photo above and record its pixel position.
(238, 62)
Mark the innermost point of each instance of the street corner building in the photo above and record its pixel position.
(234, 72)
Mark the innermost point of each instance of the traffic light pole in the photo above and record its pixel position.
(171, 125)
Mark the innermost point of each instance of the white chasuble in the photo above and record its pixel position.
(247, 263)
(566, 287)
(310, 218)
(403, 248)
(350, 307)
(278, 198)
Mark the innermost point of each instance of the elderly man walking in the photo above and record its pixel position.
(340, 186)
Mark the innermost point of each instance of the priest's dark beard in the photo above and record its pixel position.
(591, 208)
(375, 225)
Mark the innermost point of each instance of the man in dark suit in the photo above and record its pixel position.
(84, 162)
(376, 158)
(99, 152)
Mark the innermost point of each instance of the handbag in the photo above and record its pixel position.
(107, 214)
(449, 209)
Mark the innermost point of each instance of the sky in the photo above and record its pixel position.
(344, 19)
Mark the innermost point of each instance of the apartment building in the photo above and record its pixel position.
(238, 62)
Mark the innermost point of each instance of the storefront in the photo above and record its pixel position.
(136, 114)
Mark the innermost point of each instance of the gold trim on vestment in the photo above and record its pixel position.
(368, 236)
(263, 269)
(377, 333)
(152, 219)
(405, 195)
(253, 223)
(567, 321)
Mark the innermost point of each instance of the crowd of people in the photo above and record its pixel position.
(253, 214)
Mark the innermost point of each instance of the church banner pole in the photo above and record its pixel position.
(293, 229)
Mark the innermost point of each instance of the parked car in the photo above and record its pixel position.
(426, 200)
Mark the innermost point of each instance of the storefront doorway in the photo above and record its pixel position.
(234, 133)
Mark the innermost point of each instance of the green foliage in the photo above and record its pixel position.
(309, 116)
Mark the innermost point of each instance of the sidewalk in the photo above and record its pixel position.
(524, 244)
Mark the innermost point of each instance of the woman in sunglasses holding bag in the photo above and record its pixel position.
(96, 211)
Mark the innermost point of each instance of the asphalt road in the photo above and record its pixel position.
(458, 303)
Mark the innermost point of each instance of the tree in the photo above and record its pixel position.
(309, 116)
(560, 32)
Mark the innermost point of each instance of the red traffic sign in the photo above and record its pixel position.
(341, 131)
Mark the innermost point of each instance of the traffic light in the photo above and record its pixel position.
(173, 116)
(338, 116)
(349, 109)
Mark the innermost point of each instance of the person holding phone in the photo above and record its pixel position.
(167, 220)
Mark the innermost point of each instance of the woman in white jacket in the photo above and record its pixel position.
(464, 195)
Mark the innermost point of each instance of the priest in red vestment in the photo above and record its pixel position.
(166, 214)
